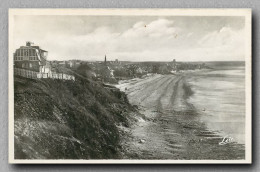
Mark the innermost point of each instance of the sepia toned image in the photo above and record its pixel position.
(130, 86)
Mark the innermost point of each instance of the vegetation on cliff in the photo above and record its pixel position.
(57, 119)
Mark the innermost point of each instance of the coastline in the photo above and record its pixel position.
(171, 131)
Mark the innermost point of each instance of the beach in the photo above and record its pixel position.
(177, 124)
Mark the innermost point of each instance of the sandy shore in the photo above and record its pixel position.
(172, 128)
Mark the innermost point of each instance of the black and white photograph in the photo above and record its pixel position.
(130, 86)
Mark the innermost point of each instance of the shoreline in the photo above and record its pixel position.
(175, 132)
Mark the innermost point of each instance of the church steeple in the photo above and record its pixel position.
(105, 60)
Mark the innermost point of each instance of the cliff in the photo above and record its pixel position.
(57, 119)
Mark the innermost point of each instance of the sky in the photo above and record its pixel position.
(134, 38)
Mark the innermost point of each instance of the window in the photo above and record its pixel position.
(26, 52)
(30, 65)
(23, 65)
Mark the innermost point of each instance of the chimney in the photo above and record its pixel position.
(28, 43)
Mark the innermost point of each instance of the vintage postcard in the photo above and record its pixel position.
(130, 86)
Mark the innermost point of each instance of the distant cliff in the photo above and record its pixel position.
(57, 119)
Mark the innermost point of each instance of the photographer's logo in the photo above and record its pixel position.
(226, 140)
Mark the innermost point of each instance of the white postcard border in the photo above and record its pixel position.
(137, 12)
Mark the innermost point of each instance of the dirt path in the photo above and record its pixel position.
(172, 128)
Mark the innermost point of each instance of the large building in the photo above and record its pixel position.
(32, 58)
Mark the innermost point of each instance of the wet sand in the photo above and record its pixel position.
(172, 128)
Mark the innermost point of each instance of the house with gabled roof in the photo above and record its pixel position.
(31, 58)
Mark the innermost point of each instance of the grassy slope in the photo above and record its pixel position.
(67, 120)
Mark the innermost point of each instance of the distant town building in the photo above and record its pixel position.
(73, 64)
(63, 63)
(174, 65)
(106, 72)
(32, 58)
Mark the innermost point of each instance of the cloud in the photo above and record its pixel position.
(223, 43)
(160, 39)
(160, 28)
(224, 37)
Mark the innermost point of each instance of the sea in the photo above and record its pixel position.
(219, 97)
